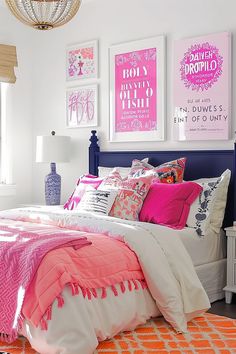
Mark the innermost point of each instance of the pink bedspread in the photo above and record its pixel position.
(22, 247)
(88, 271)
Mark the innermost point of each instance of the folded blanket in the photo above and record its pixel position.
(22, 247)
(89, 271)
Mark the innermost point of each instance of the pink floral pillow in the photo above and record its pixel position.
(129, 200)
(112, 181)
(86, 182)
(139, 166)
(168, 172)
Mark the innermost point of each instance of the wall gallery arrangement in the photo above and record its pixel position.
(82, 100)
(202, 87)
(137, 88)
(201, 94)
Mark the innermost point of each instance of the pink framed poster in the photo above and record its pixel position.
(81, 106)
(137, 74)
(202, 88)
(82, 61)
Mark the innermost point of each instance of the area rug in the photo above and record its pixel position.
(208, 334)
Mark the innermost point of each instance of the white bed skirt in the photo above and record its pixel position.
(77, 327)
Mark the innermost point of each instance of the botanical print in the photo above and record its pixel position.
(82, 106)
(202, 88)
(135, 91)
(82, 61)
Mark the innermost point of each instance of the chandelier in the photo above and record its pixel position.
(44, 14)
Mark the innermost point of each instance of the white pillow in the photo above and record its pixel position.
(97, 201)
(207, 211)
(105, 171)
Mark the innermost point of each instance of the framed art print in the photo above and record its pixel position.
(202, 88)
(82, 61)
(137, 89)
(81, 106)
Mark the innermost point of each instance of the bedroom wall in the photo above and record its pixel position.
(112, 22)
(19, 113)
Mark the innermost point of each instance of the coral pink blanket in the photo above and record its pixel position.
(22, 247)
(88, 271)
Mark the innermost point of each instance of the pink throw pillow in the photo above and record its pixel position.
(169, 204)
(168, 172)
(131, 195)
(112, 181)
(86, 182)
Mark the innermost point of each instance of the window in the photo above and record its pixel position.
(3, 152)
(6, 186)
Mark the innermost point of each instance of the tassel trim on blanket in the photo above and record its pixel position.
(90, 293)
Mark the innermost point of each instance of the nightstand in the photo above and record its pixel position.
(231, 264)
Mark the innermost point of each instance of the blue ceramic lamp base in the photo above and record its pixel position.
(53, 187)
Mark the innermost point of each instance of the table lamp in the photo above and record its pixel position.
(52, 148)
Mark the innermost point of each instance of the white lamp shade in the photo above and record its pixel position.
(53, 148)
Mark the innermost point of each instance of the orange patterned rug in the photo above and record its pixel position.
(208, 334)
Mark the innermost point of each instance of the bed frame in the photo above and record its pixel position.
(200, 163)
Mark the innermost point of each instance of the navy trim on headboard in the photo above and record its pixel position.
(200, 163)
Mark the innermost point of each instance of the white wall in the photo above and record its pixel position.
(19, 110)
(112, 22)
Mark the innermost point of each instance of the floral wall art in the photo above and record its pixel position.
(202, 88)
(82, 61)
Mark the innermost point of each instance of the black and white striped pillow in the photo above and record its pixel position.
(97, 201)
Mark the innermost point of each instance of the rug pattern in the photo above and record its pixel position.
(209, 334)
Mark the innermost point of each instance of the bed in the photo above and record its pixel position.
(208, 255)
(166, 282)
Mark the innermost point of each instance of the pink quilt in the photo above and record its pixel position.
(88, 271)
(22, 247)
(38, 261)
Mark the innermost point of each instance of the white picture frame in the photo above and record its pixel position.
(82, 106)
(82, 61)
(137, 90)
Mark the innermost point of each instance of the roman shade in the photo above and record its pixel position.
(8, 61)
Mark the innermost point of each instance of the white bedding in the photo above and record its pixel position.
(166, 265)
(205, 249)
(80, 324)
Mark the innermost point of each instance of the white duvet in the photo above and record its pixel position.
(167, 267)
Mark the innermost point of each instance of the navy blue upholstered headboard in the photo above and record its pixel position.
(200, 163)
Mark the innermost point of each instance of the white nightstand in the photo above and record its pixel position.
(231, 264)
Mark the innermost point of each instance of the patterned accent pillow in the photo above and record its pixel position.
(112, 181)
(138, 166)
(207, 212)
(129, 200)
(169, 172)
(97, 201)
(84, 183)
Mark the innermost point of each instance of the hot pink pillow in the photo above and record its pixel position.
(84, 183)
(169, 204)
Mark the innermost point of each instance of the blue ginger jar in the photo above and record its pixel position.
(53, 187)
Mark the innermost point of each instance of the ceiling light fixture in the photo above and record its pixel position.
(44, 14)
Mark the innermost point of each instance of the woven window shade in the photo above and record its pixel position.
(8, 61)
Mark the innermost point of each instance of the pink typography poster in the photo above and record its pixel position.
(202, 88)
(136, 91)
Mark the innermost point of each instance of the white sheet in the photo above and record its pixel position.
(204, 249)
(213, 278)
(77, 327)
